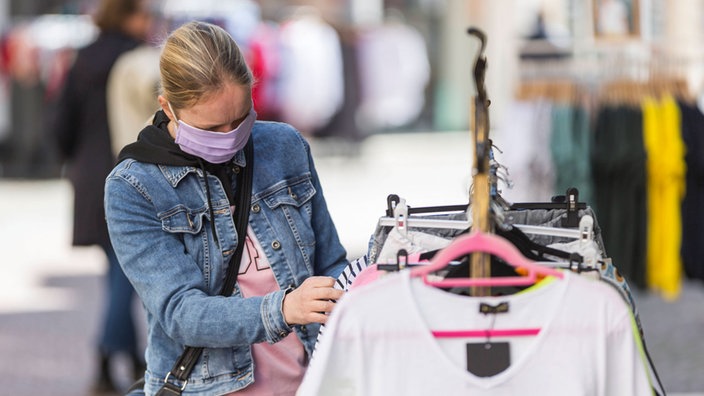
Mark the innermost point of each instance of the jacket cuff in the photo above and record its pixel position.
(273, 317)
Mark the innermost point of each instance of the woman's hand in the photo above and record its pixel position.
(311, 301)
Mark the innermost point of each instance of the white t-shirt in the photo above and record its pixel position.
(378, 341)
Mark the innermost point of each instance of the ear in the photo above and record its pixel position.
(167, 109)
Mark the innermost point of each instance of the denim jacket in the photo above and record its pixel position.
(160, 225)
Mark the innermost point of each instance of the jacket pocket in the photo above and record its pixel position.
(181, 219)
(291, 202)
(294, 193)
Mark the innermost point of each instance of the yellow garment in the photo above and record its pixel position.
(666, 186)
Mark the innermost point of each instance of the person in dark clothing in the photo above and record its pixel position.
(82, 135)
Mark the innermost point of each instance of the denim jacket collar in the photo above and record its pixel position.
(174, 174)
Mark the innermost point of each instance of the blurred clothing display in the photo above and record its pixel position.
(35, 54)
(239, 17)
(311, 83)
(394, 72)
(628, 145)
(265, 61)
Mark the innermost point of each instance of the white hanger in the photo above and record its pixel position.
(402, 221)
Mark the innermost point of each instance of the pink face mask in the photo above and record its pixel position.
(214, 147)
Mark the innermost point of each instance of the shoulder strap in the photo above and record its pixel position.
(244, 185)
(176, 380)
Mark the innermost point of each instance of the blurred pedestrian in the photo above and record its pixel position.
(83, 137)
(132, 92)
(169, 207)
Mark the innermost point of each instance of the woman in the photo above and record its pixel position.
(82, 135)
(168, 210)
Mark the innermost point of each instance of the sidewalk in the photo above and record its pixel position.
(51, 294)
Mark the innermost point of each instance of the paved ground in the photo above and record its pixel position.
(51, 294)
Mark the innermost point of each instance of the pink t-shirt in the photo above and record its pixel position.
(278, 368)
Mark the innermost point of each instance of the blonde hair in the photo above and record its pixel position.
(196, 60)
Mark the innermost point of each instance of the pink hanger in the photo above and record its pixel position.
(487, 243)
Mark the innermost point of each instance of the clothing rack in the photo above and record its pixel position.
(479, 110)
(624, 74)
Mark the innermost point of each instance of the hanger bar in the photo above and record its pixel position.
(412, 222)
(514, 206)
(551, 231)
(438, 209)
(544, 205)
(427, 223)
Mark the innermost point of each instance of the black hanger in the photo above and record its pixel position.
(569, 202)
(392, 200)
(530, 249)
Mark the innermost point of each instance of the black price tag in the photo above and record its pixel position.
(486, 359)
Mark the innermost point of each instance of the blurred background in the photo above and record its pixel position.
(382, 90)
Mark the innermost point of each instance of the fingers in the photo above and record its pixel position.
(320, 306)
(316, 317)
(320, 288)
(320, 293)
(318, 314)
(319, 281)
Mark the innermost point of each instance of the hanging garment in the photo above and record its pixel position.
(531, 170)
(344, 282)
(570, 149)
(394, 71)
(552, 218)
(618, 172)
(381, 234)
(311, 83)
(264, 60)
(379, 342)
(410, 241)
(666, 171)
(350, 272)
(692, 213)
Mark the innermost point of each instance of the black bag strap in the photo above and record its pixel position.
(176, 380)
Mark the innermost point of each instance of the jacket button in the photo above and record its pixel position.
(256, 208)
(236, 169)
(276, 245)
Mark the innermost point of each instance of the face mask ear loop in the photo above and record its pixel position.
(172, 112)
